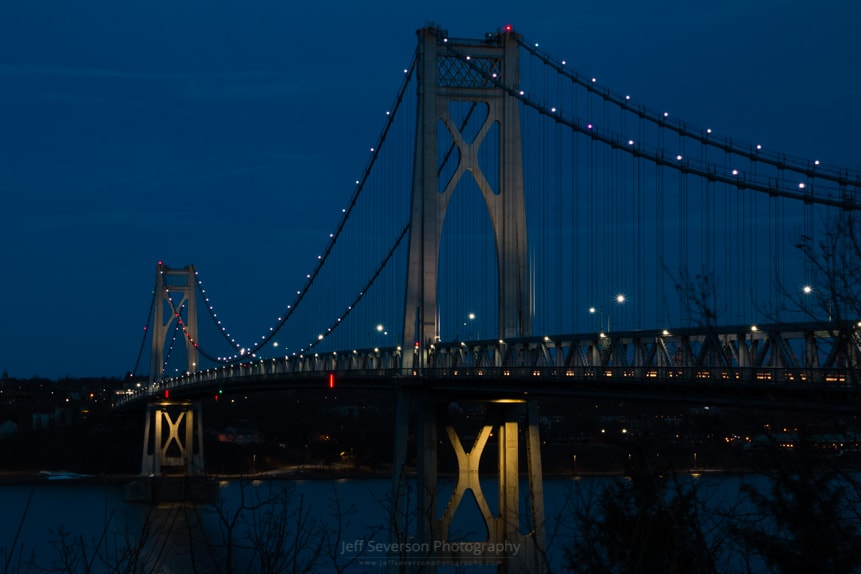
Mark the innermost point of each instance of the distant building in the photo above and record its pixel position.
(241, 436)
(8, 429)
(42, 420)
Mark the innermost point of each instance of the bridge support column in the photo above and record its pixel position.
(173, 439)
(172, 459)
(512, 540)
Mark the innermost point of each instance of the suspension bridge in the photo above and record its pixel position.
(519, 231)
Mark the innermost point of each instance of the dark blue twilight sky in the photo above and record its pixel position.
(215, 132)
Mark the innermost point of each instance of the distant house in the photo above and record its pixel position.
(42, 420)
(8, 429)
(241, 436)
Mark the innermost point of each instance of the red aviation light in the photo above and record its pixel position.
(508, 28)
(331, 380)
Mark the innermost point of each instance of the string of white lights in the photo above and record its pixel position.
(743, 179)
(810, 168)
(214, 316)
(321, 259)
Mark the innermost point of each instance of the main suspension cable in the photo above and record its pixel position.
(838, 198)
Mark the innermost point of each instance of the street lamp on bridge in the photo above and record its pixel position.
(809, 290)
(594, 310)
(382, 331)
(472, 327)
(619, 299)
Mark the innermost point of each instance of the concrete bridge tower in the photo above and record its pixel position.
(168, 311)
(172, 458)
(446, 77)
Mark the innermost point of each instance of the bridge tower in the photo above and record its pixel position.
(446, 77)
(172, 459)
(167, 311)
(514, 541)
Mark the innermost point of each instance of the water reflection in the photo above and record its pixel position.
(257, 526)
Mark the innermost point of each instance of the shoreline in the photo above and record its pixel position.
(44, 477)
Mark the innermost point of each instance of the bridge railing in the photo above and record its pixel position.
(786, 354)
(796, 347)
(681, 375)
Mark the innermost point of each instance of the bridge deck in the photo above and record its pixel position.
(782, 364)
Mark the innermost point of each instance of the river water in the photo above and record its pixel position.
(338, 525)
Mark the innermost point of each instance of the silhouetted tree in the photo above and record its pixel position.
(648, 522)
(698, 295)
(268, 531)
(806, 520)
(834, 260)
